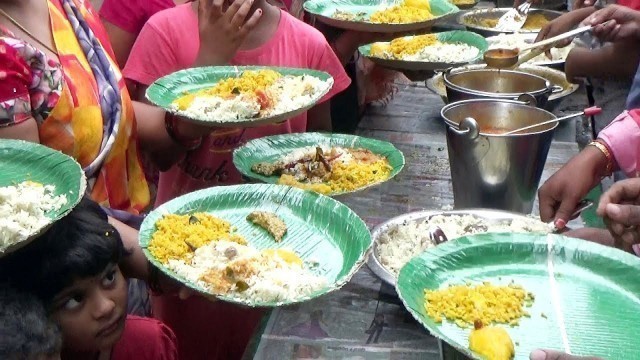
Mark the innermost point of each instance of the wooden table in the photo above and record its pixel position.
(337, 325)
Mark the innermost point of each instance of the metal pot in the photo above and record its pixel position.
(466, 84)
(489, 170)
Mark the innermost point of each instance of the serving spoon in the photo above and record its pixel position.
(505, 58)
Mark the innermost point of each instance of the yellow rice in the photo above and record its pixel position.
(345, 177)
(408, 12)
(249, 82)
(400, 47)
(464, 304)
(176, 237)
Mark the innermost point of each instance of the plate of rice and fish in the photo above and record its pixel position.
(380, 16)
(555, 78)
(428, 52)
(484, 21)
(38, 185)
(503, 295)
(258, 245)
(330, 164)
(232, 96)
(399, 239)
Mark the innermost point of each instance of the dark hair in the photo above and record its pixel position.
(78, 246)
(26, 332)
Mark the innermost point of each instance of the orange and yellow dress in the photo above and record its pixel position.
(80, 103)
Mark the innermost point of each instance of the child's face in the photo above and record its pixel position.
(92, 311)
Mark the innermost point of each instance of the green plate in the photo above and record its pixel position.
(272, 148)
(457, 36)
(589, 292)
(173, 86)
(22, 160)
(320, 229)
(324, 10)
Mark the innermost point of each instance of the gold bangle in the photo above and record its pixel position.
(607, 154)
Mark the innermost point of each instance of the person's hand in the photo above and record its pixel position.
(223, 31)
(620, 208)
(559, 195)
(615, 23)
(540, 354)
(560, 25)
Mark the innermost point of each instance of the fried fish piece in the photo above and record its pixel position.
(267, 169)
(270, 222)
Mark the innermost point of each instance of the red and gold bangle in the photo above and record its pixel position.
(188, 143)
(600, 145)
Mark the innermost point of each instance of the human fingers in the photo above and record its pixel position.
(547, 202)
(544, 354)
(240, 16)
(628, 215)
(233, 9)
(250, 24)
(625, 191)
(542, 34)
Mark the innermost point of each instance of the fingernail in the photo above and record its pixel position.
(560, 223)
(259, 11)
(613, 210)
(538, 355)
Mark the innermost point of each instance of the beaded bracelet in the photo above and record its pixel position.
(600, 145)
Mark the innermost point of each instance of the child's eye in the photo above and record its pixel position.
(73, 303)
(109, 278)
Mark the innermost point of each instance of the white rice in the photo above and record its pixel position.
(288, 92)
(512, 41)
(445, 53)
(23, 209)
(402, 242)
(275, 281)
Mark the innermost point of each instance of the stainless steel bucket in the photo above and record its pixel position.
(466, 84)
(495, 171)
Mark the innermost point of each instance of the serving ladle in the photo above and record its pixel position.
(506, 58)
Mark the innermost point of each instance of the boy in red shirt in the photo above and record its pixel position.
(73, 269)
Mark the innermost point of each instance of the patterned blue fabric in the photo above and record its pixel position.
(110, 101)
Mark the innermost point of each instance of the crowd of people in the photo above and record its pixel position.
(69, 294)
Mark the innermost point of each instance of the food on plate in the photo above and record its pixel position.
(410, 11)
(516, 41)
(246, 273)
(488, 303)
(252, 94)
(326, 169)
(424, 48)
(178, 236)
(23, 210)
(462, 2)
(404, 241)
(492, 342)
(207, 251)
(534, 22)
(270, 222)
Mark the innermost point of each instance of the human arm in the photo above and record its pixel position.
(319, 117)
(121, 41)
(596, 63)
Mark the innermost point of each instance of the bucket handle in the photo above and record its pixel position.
(556, 89)
(527, 99)
(468, 127)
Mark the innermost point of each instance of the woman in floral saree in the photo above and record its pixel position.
(60, 86)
